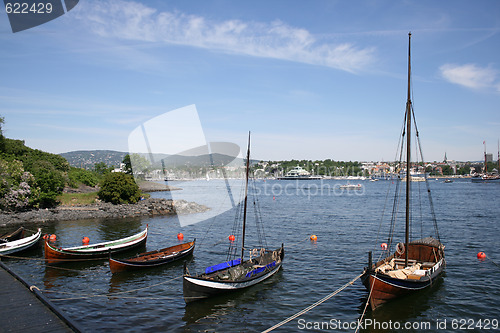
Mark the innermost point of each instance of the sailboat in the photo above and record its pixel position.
(414, 265)
(237, 273)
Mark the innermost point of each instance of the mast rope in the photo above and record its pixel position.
(312, 306)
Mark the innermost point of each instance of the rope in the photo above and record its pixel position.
(324, 299)
(79, 296)
(492, 261)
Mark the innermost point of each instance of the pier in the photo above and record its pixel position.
(25, 309)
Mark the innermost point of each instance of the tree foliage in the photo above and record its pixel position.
(119, 188)
(78, 176)
(18, 189)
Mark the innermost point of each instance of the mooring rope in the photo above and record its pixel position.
(309, 308)
(79, 295)
(492, 261)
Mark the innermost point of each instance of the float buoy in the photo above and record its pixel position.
(232, 238)
(53, 237)
(314, 238)
(481, 256)
(383, 246)
(85, 240)
(180, 236)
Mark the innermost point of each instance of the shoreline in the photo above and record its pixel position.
(148, 207)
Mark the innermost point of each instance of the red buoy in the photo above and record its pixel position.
(85, 240)
(383, 246)
(481, 256)
(180, 236)
(53, 237)
(314, 238)
(232, 238)
(46, 236)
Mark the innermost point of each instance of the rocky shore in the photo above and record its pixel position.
(148, 207)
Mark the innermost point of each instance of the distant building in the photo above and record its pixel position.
(489, 157)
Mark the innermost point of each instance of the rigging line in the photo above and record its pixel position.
(431, 204)
(312, 306)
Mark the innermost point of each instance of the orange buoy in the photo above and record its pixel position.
(180, 236)
(481, 256)
(46, 236)
(53, 237)
(383, 246)
(85, 240)
(314, 238)
(232, 238)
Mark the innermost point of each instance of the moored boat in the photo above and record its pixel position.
(55, 255)
(152, 258)
(21, 244)
(298, 173)
(12, 236)
(415, 265)
(235, 274)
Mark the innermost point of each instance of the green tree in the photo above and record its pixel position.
(77, 176)
(2, 138)
(102, 169)
(119, 188)
(128, 164)
(50, 180)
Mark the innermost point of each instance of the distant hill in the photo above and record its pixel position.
(86, 159)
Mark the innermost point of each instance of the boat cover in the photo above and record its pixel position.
(260, 269)
(224, 265)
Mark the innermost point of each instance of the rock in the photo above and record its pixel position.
(148, 207)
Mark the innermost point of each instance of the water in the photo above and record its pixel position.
(346, 224)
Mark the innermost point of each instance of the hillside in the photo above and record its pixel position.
(86, 159)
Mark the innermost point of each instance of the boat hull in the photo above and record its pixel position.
(55, 255)
(206, 285)
(22, 244)
(153, 258)
(383, 288)
(196, 288)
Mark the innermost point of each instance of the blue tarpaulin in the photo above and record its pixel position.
(223, 265)
(261, 269)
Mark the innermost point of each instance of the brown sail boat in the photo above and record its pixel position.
(415, 265)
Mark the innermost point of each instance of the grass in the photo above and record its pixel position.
(77, 199)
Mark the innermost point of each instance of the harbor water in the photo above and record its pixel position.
(346, 223)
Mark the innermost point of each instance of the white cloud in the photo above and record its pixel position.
(129, 20)
(470, 76)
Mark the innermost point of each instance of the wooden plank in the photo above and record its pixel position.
(22, 311)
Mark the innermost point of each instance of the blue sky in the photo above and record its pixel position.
(310, 79)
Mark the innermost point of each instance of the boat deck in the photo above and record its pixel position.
(22, 311)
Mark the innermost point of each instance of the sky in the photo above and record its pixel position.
(310, 79)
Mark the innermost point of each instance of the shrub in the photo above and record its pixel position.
(18, 190)
(118, 188)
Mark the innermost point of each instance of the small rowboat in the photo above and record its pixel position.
(152, 258)
(12, 236)
(55, 255)
(20, 244)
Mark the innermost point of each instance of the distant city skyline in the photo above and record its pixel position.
(311, 80)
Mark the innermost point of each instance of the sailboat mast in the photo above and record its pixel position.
(408, 153)
(246, 199)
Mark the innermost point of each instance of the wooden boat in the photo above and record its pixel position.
(414, 265)
(152, 258)
(101, 250)
(12, 236)
(235, 274)
(20, 244)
